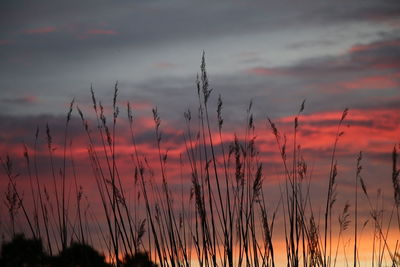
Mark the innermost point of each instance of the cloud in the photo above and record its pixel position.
(23, 100)
(376, 131)
(42, 30)
(164, 65)
(265, 71)
(372, 82)
(5, 42)
(101, 32)
(374, 46)
(160, 34)
(361, 57)
(366, 77)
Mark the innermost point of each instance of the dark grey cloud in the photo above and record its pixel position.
(54, 50)
(142, 23)
(356, 10)
(323, 78)
(380, 55)
(17, 130)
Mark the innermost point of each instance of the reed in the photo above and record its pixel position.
(221, 216)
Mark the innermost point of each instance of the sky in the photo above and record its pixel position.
(335, 55)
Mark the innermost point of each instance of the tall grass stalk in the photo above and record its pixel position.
(331, 193)
(40, 194)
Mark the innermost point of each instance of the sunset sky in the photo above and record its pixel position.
(333, 54)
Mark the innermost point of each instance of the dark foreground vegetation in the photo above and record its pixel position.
(30, 253)
(221, 217)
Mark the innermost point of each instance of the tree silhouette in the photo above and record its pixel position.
(140, 259)
(22, 252)
(81, 255)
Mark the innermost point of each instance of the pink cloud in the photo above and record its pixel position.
(387, 65)
(101, 32)
(164, 65)
(388, 18)
(42, 30)
(372, 130)
(264, 71)
(5, 42)
(362, 47)
(141, 105)
(372, 82)
(30, 99)
(27, 99)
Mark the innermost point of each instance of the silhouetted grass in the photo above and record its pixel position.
(225, 219)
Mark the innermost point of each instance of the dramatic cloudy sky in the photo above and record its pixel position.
(334, 54)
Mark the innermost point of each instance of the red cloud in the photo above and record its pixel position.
(42, 30)
(373, 131)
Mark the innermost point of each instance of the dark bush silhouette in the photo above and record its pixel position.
(140, 259)
(21, 251)
(81, 255)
